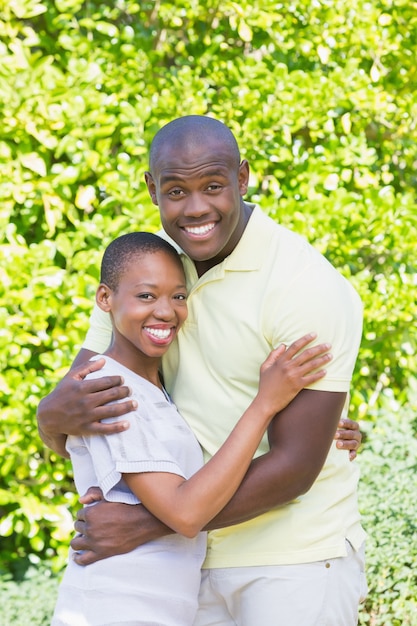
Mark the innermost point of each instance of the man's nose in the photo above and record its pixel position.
(196, 205)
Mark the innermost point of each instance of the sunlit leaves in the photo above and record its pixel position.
(322, 98)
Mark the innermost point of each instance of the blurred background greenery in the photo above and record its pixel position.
(322, 98)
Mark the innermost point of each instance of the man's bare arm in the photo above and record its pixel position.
(300, 437)
(76, 406)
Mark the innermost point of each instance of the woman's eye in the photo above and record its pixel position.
(181, 297)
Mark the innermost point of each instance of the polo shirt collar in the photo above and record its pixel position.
(250, 250)
(253, 245)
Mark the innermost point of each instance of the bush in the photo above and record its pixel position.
(387, 500)
(322, 98)
(30, 601)
(388, 504)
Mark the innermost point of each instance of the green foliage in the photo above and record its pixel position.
(30, 601)
(387, 498)
(321, 96)
(387, 501)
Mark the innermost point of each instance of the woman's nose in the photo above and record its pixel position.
(164, 309)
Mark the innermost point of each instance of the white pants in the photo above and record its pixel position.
(324, 593)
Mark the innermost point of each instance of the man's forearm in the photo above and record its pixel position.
(57, 444)
(54, 441)
(300, 438)
(98, 540)
(264, 487)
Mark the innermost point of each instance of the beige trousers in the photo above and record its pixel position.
(324, 593)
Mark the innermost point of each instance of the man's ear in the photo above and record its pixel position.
(243, 177)
(151, 187)
(103, 297)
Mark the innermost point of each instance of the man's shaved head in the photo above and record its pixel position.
(193, 130)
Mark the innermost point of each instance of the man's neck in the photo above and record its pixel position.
(203, 266)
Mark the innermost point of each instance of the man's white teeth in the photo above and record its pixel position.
(159, 333)
(200, 230)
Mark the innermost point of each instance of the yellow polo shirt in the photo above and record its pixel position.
(273, 288)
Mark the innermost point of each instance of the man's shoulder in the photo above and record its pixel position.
(265, 224)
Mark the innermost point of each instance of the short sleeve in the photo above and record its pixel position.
(99, 333)
(323, 301)
(136, 450)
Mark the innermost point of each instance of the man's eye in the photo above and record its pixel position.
(176, 192)
(181, 297)
(214, 187)
(145, 296)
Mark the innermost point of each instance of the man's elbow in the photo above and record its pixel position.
(306, 482)
(295, 484)
(56, 444)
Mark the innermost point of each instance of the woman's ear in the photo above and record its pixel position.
(103, 297)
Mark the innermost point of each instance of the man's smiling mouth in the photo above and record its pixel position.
(200, 230)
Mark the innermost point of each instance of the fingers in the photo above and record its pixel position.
(106, 383)
(80, 372)
(297, 352)
(348, 424)
(101, 406)
(309, 378)
(86, 557)
(346, 444)
(350, 438)
(110, 410)
(299, 344)
(96, 392)
(306, 365)
(350, 445)
(94, 494)
(275, 354)
(311, 362)
(113, 409)
(319, 354)
(78, 542)
(98, 428)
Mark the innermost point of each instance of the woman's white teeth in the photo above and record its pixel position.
(159, 333)
(200, 230)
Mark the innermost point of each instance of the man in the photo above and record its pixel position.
(288, 547)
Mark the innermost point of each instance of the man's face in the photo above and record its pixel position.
(198, 189)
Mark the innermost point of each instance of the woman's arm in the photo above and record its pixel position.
(187, 505)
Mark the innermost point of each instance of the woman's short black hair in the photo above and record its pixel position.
(121, 251)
